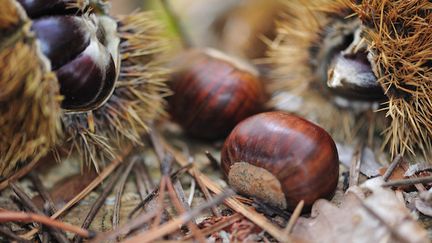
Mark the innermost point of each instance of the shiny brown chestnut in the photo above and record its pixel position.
(213, 92)
(81, 47)
(281, 159)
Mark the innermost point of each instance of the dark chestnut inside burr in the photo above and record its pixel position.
(82, 54)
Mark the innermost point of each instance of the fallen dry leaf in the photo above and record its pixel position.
(368, 213)
(64, 190)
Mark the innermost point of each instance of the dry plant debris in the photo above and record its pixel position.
(176, 193)
(362, 215)
(368, 213)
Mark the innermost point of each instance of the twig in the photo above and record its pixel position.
(172, 225)
(219, 225)
(155, 191)
(124, 230)
(392, 230)
(160, 202)
(22, 172)
(191, 192)
(142, 180)
(101, 177)
(12, 216)
(181, 195)
(269, 210)
(295, 215)
(156, 141)
(205, 191)
(392, 167)
(147, 199)
(181, 210)
(212, 159)
(98, 203)
(233, 203)
(407, 182)
(27, 202)
(119, 192)
(42, 192)
(355, 165)
(8, 233)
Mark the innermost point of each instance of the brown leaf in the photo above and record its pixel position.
(63, 191)
(368, 213)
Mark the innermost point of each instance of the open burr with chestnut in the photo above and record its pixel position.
(213, 92)
(73, 76)
(281, 159)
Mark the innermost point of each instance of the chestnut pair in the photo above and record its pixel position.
(274, 156)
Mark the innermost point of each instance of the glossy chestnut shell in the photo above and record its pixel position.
(212, 93)
(300, 155)
(80, 47)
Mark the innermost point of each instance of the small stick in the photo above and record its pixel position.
(219, 225)
(98, 203)
(213, 161)
(172, 225)
(191, 192)
(205, 191)
(98, 180)
(22, 172)
(392, 167)
(8, 233)
(160, 201)
(155, 191)
(139, 183)
(407, 182)
(144, 202)
(232, 202)
(101, 177)
(147, 178)
(295, 215)
(355, 165)
(27, 202)
(126, 229)
(25, 199)
(142, 180)
(181, 210)
(392, 230)
(42, 192)
(13, 216)
(119, 192)
(155, 140)
(181, 195)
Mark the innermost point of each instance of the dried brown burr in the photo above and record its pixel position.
(281, 159)
(212, 93)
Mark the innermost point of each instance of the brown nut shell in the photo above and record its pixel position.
(213, 93)
(300, 155)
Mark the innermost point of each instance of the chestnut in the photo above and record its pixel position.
(81, 48)
(281, 159)
(213, 92)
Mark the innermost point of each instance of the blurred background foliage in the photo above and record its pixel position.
(238, 27)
